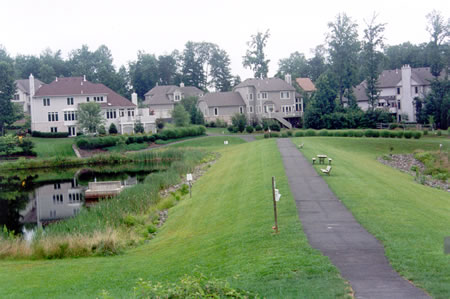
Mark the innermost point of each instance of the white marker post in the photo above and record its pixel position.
(276, 197)
(189, 179)
(225, 142)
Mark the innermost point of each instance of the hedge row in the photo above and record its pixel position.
(49, 134)
(350, 133)
(166, 134)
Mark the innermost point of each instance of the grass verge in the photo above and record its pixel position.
(53, 147)
(224, 231)
(411, 220)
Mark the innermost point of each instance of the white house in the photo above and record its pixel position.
(398, 91)
(54, 106)
(22, 95)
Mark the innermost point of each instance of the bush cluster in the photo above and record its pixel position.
(165, 134)
(49, 134)
(349, 133)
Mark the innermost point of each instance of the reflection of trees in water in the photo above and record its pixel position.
(14, 197)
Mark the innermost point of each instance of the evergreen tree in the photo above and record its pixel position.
(180, 116)
(143, 73)
(220, 70)
(90, 117)
(8, 113)
(192, 65)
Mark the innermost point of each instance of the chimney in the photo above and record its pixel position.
(31, 82)
(181, 84)
(134, 98)
(84, 78)
(288, 79)
(56, 80)
(406, 95)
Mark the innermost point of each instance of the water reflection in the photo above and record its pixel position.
(28, 201)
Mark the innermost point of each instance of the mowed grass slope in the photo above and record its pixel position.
(53, 147)
(411, 220)
(223, 231)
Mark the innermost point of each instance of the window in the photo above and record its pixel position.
(398, 90)
(54, 129)
(69, 101)
(46, 101)
(98, 99)
(286, 109)
(298, 104)
(70, 115)
(398, 105)
(72, 131)
(250, 96)
(177, 97)
(130, 112)
(259, 109)
(87, 99)
(16, 97)
(53, 116)
(57, 186)
(241, 110)
(285, 95)
(111, 113)
(250, 108)
(416, 89)
(263, 95)
(121, 112)
(216, 111)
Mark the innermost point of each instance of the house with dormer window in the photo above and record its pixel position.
(54, 106)
(161, 99)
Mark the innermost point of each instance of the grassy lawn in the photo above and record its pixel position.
(213, 142)
(53, 147)
(223, 231)
(411, 220)
(218, 131)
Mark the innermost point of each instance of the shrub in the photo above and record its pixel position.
(112, 129)
(151, 228)
(323, 133)
(239, 121)
(351, 133)
(392, 134)
(249, 129)
(27, 146)
(139, 127)
(212, 124)
(368, 133)
(275, 126)
(393, 126)
(408, 134)
(289, 133)
(274, 134)
(266, 135)
(49, 134)
(299, 134)
(385, 134)
(310, 133)
(258, 128)
(359, 134)
(417, 135)
(235, 129)
(439, 132)
(284, 135)
(376, 134)
(336, 133)
(399, 134)
(101, 130)
(230, 129)
(221, 123)
(425, 132)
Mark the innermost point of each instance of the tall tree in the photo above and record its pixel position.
(343, 47)
(220, 72)
(180, 116)
(143, 73)
(439, 30)
(193, 65)
(255, 58)
(317, 64)
(167, 69)
(296, 65)
(372, 45)
(25, 65)
(8, 114)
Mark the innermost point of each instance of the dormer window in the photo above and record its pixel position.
(177, 97)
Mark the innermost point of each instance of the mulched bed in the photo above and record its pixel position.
(406, 161)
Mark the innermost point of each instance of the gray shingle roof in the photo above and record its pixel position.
(24, 85)
(223, 99)
(269, 84)
(159, 95)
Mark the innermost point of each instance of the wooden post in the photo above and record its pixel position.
(190, 190)
(274, 206)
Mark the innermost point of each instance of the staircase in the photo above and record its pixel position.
(283, 121)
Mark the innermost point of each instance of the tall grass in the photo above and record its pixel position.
(103, 229)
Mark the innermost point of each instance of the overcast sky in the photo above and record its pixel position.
(158, 27)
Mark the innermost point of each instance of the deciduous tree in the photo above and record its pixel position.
(8, 113)
(255, 58)
(180, 116)
(90, 117)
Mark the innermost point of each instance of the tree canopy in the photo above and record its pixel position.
(255, 58)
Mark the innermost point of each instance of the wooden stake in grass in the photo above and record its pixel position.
(276, 196)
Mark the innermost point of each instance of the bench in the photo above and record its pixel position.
(327, 170)
(329, 161)
(314, 160)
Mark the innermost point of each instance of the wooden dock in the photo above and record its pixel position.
(103, 189)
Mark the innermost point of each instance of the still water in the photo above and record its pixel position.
(35, 199)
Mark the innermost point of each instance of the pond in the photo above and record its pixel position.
(35, 199)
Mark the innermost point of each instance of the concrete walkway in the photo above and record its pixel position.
(333, 230)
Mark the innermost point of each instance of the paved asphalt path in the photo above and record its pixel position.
(333, 230)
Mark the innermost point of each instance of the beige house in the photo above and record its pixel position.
(161, 99)
(398, 91)
(271, 98)
(54, 106)
(22, 95)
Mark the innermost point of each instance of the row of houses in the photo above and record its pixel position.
(53, 107)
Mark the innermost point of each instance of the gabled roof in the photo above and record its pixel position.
(223, 99)
(269, 84)
(306, 84)
(159, 95)
(24, 85)
(72, 86)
